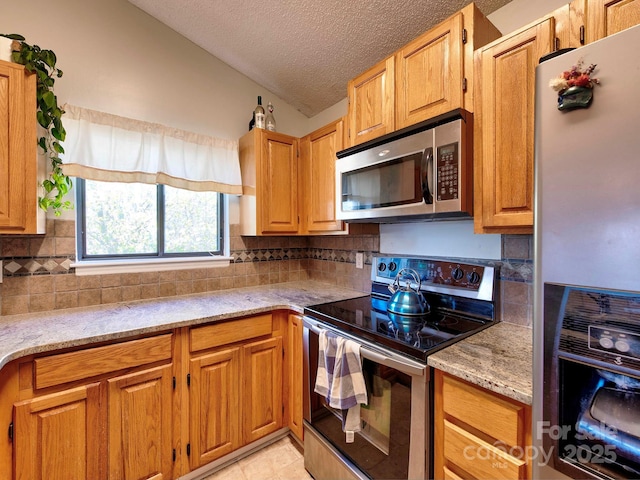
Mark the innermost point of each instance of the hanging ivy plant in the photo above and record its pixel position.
(43, 64)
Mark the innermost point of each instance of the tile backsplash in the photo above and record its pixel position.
(38, 275)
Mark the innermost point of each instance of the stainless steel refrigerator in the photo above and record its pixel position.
(586, 411)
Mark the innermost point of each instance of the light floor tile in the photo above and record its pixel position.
(281, 460)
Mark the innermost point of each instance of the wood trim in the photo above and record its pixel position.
(90, 362)
(224, 333)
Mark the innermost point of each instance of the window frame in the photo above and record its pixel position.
(158, 261)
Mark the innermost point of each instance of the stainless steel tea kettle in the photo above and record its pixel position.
(406, 300)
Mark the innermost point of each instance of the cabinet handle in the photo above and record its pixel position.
(581, 34)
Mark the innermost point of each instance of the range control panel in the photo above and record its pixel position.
(432, 272)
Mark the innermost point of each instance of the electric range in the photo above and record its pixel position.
(461, 297)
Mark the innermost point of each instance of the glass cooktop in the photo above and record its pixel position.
(415, 336)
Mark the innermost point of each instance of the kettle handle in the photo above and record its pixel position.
(405, 272)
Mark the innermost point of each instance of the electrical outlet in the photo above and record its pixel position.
(359, 260)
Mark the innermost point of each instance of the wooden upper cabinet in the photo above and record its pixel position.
(318, 179)
(504, 124)
(371, 110)
(429, 74)
(570, 25)
(606, 17)
(269, 165)
(19, 211)
(434, 72)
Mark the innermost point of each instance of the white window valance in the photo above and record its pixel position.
(105, 147)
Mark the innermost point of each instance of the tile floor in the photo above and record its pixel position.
(282, 460)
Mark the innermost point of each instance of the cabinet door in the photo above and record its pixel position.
(18, 156)
(429, 74)
(295, 379)
(570, 25)
(60, 436)
(262, 388)
(606, 17)
(277, 201)
(140, 425)
(371, 109)
(504, 116)
(214, 406)
(318, 161)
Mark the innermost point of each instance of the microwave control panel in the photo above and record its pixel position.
(447, 172)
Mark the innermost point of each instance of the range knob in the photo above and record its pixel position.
(457, 273)
(392, 266)
(382, 267)
(473, 277)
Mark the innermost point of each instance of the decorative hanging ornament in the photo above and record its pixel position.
(575, 87)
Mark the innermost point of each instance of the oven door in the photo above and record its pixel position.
(396, 424)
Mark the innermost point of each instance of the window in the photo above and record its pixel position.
(143, 221)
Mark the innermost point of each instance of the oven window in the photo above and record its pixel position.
(381, 448)
(599, 411)
(396, 182)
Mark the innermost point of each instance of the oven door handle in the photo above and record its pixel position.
(389, 360)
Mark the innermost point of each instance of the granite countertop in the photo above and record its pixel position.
(26, 334)
(498, 358)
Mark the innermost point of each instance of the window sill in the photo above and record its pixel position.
(105, 267)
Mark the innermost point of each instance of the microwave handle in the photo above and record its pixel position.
(426, 175)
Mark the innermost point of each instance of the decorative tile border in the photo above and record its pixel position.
(18, 267)
(336, 255)
(268, 254)
(24, 266)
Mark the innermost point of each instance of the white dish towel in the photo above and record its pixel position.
(340, 379)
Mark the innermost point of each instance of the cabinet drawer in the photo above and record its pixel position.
(449, 475)
(68, 367)
(211, 336)
(497, 417)
(479, 458)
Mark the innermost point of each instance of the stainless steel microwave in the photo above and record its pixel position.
(421, 172)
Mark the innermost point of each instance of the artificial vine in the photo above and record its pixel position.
(43, 64)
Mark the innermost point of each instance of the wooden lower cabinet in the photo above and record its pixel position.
(479, 434)
(140, 436)
(117, 423)
(193, 396)
(295, 372)
(60, 436)
(262, 388)
(235, 387)
(214, 399)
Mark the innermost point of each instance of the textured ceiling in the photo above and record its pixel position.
(304, 51)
